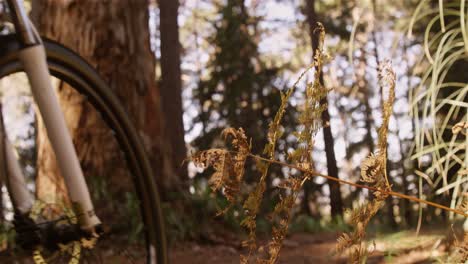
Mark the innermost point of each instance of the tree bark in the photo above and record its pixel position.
(113, 36)
(405, 209)
(335, 193)
(171, 83)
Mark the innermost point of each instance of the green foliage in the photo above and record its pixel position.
(305, 223)
(99, 189)
(7, 236)
(202, 217)
(239, 88)
(132, 208)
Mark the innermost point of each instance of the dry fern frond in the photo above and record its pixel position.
(357, 251)
(310, 121)
(361, 214)
(293, 183)
(343, 242)
(282, 210)
(229, 170)
(253, 201)
(358, 254)
(371, 168)
(242, 149)
(374, 172)
(238, 141)
(460, 252)
(461, 127)
(464, 204)
(220, 160)
(387, 79)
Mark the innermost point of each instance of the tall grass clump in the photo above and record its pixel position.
(439, 102)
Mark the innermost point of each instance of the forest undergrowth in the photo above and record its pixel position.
(229, 169)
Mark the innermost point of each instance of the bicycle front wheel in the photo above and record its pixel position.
(132, 215)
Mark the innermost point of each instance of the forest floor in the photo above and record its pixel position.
(402, 247)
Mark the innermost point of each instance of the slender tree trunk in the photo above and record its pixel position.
(305, 208)
(113, 36)
(3, 168)
(309, 202)
(363, 87)
(335, 193)
(406, 208)
(368, 122)
(171, 85)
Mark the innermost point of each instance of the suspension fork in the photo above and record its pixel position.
(33, 59)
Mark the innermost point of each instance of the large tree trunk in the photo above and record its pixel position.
(335, 193)
(171, 84)
(113, 36)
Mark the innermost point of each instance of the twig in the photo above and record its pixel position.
(392, 193)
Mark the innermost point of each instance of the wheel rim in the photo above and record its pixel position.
(61, 72)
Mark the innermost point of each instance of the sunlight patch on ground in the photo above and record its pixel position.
(406, 247)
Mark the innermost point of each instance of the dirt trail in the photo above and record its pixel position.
(316, 249)
(300, 248)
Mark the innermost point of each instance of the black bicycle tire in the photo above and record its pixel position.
(70, 67)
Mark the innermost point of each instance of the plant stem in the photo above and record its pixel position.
(392, 193)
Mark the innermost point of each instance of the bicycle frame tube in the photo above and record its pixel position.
(22, 24)
(33, 58)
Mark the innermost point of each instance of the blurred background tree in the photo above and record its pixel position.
(239, 89)
(103, 38)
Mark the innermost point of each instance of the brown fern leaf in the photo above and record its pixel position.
(387, 80)
(343, 242)
(242, 149)
(460, 253)
(229, 171)
(463, 206)
(371, 168)
(253, 201)
(358, 253)
(310, 121)
(461, 127)
(221, 162)
(243, 259)
(374, 172)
